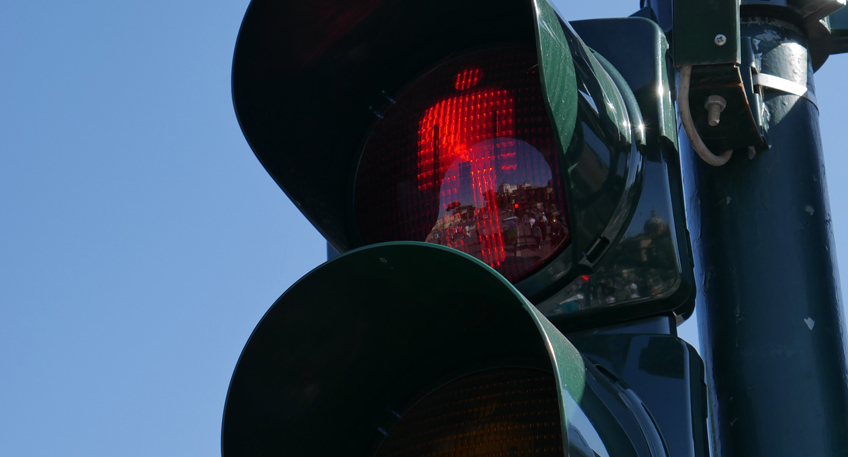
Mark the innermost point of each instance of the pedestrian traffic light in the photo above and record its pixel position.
(494, 181)
(490, 128)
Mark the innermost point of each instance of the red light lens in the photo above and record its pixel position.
(466, 158)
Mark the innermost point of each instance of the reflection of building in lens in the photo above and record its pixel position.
(654, 226)
(637, 267)
(515, 209)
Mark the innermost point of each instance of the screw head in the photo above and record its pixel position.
(720, 39)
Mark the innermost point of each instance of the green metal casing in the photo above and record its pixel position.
(668, 376)
(638, 50)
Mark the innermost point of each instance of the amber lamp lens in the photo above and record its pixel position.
(506, 412)
(465, 157)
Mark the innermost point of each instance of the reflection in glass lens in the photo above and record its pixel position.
(466, 158)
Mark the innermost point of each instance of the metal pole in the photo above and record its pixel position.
(769, 299)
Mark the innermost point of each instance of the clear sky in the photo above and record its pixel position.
(140, 239)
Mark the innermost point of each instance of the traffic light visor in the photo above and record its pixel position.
(366, 347)
(466, 157)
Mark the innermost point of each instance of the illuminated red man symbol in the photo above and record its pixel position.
(466, 139)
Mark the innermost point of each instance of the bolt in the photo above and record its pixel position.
(715, 105)
(720, 39)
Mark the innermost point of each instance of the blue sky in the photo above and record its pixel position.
(140, 240)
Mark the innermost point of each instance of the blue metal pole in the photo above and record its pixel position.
(769, 299)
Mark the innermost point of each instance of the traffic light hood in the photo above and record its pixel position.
(346, 354)
(395, 320)
(311, 77)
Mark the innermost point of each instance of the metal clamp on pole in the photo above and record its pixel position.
(785, 85)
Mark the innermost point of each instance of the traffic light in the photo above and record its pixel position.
(410, 348)
(492, 181)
